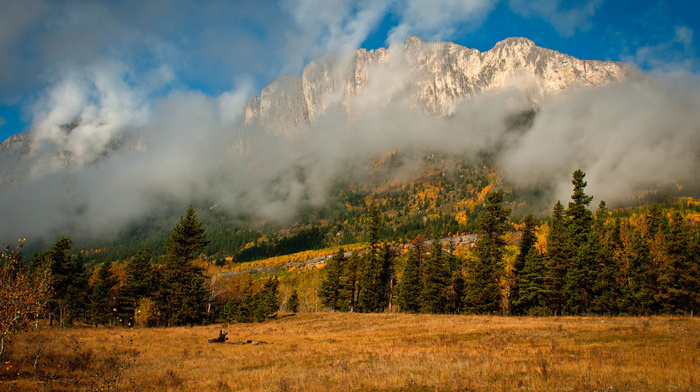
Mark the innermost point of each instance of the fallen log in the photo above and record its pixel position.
(221, 339)
(251, 342)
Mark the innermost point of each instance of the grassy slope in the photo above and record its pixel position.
(333, 351)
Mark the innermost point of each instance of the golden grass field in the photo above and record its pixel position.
(367, 352)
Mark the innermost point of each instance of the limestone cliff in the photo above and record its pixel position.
(434, 75)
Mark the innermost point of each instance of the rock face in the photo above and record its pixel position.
(435, 76)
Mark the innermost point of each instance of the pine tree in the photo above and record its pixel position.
(580, 275)
(605, 290)
(330, 291)
(138, 283)
(641, 286)
(533, 292)
(350, 282)
(527, 243)
(482, 291)
(455, 290)
(69, 282)
(433, 295)
(182, 297)
(377, 271)
(102, 301)
(293, 302)
(266, 301)
(676, 279)
(410, 286)
(557, 258)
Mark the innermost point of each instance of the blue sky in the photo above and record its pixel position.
(96, 52)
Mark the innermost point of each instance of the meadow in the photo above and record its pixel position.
(366, 352)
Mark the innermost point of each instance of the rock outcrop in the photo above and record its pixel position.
(435, 76)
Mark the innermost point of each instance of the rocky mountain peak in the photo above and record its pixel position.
(434, 75)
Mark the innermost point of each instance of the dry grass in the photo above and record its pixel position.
(341, 352)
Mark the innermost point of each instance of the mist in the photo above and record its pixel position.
(135, 110)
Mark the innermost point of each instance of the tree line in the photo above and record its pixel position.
(585, 264)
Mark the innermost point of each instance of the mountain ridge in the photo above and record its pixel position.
(435, 75)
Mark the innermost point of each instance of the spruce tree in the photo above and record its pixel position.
(533, 293)
(182, 297)
(527, 243)
(330, 291)
(557, 258)
(138, 283)
(410, 287)
(641, 284)
(350, 282)
(482, 289)
(580, 275)
(605, 290)
(677, 282)
(455, 290)
(293, 302)
(433, 295)
(70, 282)
(102, 301)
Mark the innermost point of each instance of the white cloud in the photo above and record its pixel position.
(566, 20)
(434, 20)
(675, 55)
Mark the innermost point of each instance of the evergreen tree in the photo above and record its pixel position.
(138, 283)
(580, 275)
(377, 272)
(182, 297)
(266, 301)
(455, 290)
(433, 295)
(527, 243)
(606, 290)
(557, 258)
(350, 282)
(69, 282)
(482, 291)
(580, 217)
(677, 282)
(641, 282)
(330, 291)
(102, 300)
(533, 292)
(293, 302)
(409, 289)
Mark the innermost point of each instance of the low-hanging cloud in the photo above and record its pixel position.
(118, 136)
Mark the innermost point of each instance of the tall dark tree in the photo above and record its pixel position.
(433, 295)
(580, 275)
(182, 297)
(603, 248)
(533, 290)
(641, 281)
(266, 301)
(331, 292)
(409, 289)
(482, 288)
(138, 283)
(455, 290)
(528, 240)
(557, 258)
(677, 279)
(350, 282)
(377, 271)
(69, 282)
(102, 299)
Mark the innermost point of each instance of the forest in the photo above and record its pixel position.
(575, 262)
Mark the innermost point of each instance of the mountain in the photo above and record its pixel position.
(435, 76)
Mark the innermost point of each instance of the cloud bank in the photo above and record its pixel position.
(121, 133)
